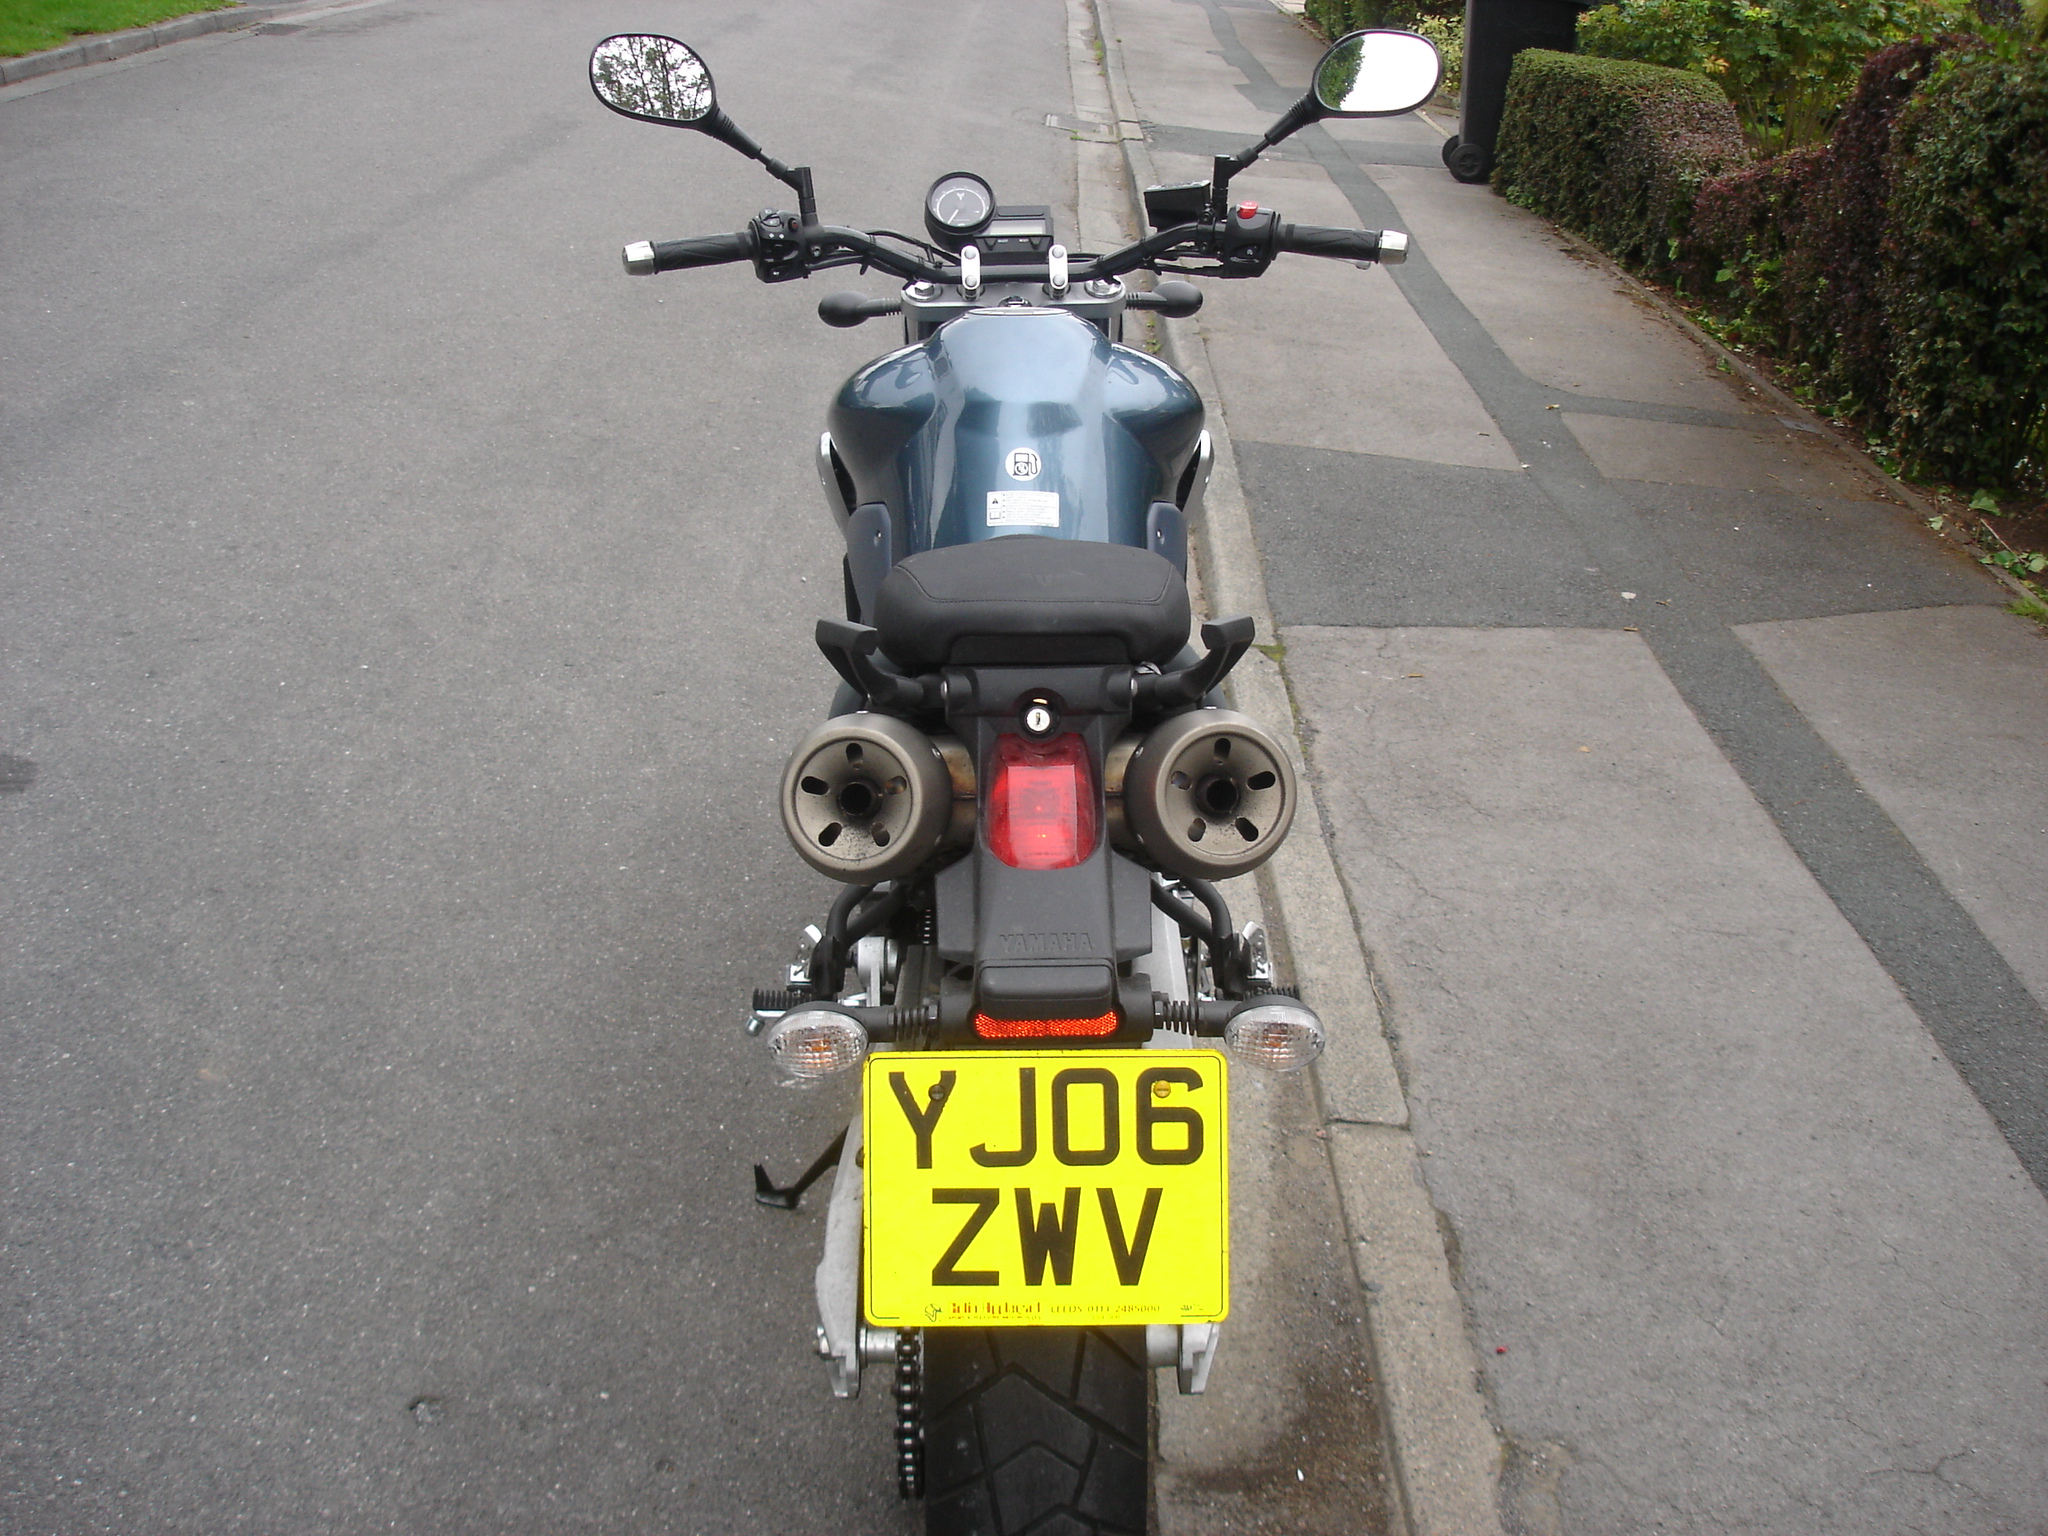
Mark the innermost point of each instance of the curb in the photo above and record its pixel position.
(105, 47)
(1446, 1457)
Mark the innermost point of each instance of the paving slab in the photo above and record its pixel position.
(1943, 715)
(1764, 555)
(1772, 458)
(1716, 1194)
(1172, 57)
(1560, 317)
(1374, 539)
(1360, 373)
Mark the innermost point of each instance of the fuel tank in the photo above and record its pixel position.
(1015, 420)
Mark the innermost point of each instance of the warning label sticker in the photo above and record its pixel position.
(1023, 509)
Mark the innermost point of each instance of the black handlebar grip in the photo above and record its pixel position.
(644, 259)
(1344, 244)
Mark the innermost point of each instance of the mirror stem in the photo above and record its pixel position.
(798, 178)
(1226, 166)
(726, 131)
(1297, 117)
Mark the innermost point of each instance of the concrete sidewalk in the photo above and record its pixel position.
(1690, 800)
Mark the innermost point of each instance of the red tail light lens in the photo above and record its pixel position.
(1042, 1029)
(1040, 806)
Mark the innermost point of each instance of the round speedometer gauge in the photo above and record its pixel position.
(958, 205)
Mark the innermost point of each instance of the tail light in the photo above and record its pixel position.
(1043, 1029)
(1041, 803)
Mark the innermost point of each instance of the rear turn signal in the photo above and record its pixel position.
(1041, 805)
(1042, 1029)
(813, 1042)
(1281, 1037)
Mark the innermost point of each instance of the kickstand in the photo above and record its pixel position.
(766, 1193)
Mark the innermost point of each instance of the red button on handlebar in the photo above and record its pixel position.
(1247, 210)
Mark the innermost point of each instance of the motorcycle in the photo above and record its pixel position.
(1028, 787)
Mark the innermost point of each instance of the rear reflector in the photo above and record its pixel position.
(1042, 1029)
(1040, 805)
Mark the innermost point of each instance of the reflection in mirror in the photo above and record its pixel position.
(656, 78)
(1377, 74)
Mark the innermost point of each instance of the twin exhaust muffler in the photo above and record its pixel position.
(868, 797)
(1204, 795)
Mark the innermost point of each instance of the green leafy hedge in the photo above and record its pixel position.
(1787, 65)
(1965, 282)
(1790, 251)
(1902, 268)
(1614, 150)
(1336, 17)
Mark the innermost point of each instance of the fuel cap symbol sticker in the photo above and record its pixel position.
(1024, 464)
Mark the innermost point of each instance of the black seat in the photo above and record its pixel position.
(1026, 600)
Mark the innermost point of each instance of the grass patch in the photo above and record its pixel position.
(30, 26)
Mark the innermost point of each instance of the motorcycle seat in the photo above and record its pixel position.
(1028, 600)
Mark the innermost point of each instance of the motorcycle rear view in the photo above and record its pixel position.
(1026, 787)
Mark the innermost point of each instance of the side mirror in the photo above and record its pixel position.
(1376, 74)
(659, 80)
(656, 79)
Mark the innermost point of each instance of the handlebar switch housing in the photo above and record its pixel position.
(778, 252)
(1180, 203)
(1249, 239)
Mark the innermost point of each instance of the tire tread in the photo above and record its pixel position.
(1044, 1397)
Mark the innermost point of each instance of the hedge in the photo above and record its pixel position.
(1613, 150)
(1336, 17)
(1791, 250)
(1965, 275)
(1902, 268)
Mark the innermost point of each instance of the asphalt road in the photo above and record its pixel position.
(405, 620)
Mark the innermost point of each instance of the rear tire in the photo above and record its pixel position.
(1040, 1430)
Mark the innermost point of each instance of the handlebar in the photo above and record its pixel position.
(780, 250)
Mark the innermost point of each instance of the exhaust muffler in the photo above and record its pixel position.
(868, 797)
(1208, 794)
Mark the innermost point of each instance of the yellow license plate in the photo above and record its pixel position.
(1049, 1188)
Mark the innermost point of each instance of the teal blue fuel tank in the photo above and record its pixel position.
(1015, 420)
